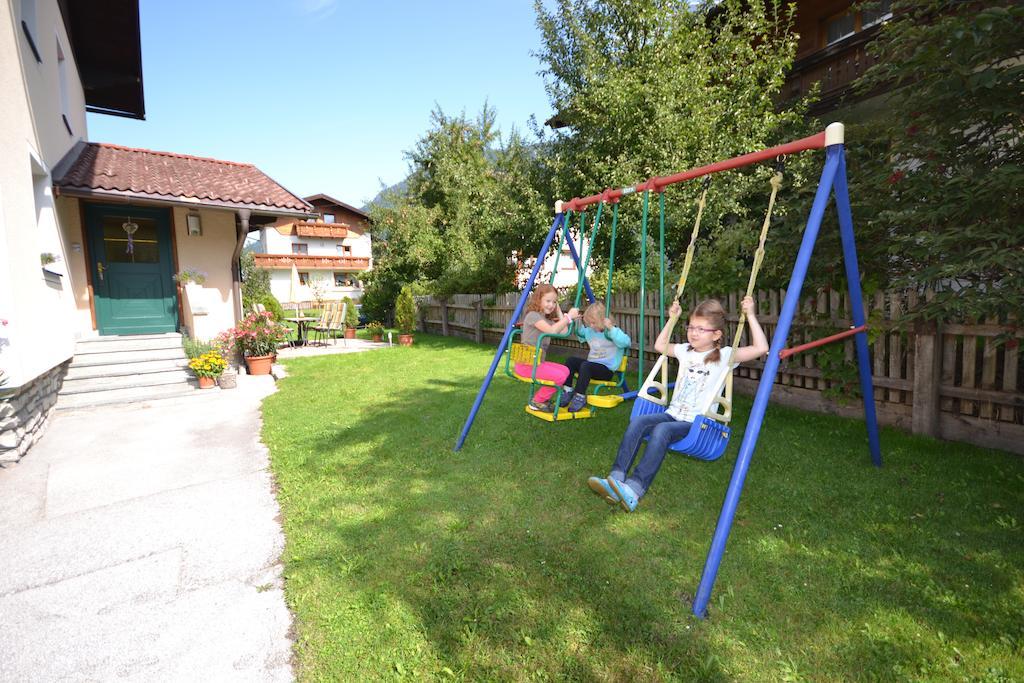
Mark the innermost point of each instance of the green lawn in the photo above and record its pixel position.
(407, 560)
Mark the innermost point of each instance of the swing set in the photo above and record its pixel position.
(710, 433)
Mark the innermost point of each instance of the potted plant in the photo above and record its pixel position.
(376, 330)
(405, 316)
(257, 336)
(208, 367)
(351, 318)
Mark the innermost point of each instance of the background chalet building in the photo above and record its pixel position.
(832, 51)
(331, 252)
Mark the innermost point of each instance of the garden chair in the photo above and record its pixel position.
(338, 324)
(323, 325)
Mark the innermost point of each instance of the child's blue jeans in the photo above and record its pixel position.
(663, 430)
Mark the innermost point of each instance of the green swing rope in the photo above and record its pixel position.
(643, 286)
(680, 285)
(661, 258)
(590, 250)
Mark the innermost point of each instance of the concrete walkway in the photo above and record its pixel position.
(330, 348)
(143, 544)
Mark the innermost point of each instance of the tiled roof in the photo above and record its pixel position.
(164, 175)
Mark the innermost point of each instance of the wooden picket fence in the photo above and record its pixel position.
(959, 382)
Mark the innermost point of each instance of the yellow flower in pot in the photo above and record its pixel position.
(208, 367)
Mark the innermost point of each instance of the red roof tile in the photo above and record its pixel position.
(165, 175)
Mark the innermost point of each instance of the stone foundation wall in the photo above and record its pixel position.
(25, 412)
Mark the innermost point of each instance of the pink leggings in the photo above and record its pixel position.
(553, 372)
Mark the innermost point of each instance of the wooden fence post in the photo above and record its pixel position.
(927, 378)
(480, 321)
(444, 317)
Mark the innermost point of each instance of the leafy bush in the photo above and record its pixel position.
(273, 306)
(351, 313)
(375, 328)
(405, 311)
(255, 282)
(257, 335)
(944, 195)
(195, 348)
(379, 298)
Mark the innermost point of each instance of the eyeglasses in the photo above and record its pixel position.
(699, 330)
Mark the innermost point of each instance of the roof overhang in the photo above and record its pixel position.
(328, 198)
(124, 197)
(105, 39)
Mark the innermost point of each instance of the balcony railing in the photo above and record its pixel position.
(312, 262)
(836, 67)
(317, 229)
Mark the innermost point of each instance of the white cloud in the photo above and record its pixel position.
(318, 8)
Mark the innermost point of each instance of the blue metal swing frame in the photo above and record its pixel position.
(831, 184)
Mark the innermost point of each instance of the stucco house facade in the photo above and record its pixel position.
(330, 251)
(92, 235)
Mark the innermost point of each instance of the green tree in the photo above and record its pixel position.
(256, 287)
(467, 205)
(405, 311)
(945, 192)
(652, 87)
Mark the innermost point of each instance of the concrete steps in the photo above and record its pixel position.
(126, 369)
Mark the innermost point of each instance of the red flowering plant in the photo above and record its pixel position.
(256, 335)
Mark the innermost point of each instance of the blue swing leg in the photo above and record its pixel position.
(857, 309)
(555, 225)
(833, 174)
(579, 266)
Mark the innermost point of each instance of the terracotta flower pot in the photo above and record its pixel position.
(376, 338)
(405, 339)
(259, 365)
(207, 382)
(350, 333)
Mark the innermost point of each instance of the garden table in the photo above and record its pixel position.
(301, 322)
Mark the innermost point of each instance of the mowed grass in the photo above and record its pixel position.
(406, 560)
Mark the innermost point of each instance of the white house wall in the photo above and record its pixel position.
(276, 243)
(281, 283)
(273, 242)
(39, 308)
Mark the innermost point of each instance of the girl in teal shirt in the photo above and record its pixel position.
(607, 345)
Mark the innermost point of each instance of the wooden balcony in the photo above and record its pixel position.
(836, 67)
(318, 229)
(312, 262)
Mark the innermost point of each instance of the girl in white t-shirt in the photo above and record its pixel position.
(702, 364)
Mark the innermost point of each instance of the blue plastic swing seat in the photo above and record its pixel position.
(706, 439)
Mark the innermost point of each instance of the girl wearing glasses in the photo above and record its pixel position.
(702, 364)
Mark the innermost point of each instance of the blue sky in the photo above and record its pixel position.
(326, 95)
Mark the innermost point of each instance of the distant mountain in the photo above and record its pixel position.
(379, 199)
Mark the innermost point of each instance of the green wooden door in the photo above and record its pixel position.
(132, 269)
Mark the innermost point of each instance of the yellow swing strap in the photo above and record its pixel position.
(661, 398)
(725, 401)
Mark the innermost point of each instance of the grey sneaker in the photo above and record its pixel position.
(566, 398)
(541, 406)
(578, 402)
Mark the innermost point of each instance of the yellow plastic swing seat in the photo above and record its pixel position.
(523, 354)
(599, 400)
(563, 414)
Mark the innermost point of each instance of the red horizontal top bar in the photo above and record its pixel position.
(659, 184)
